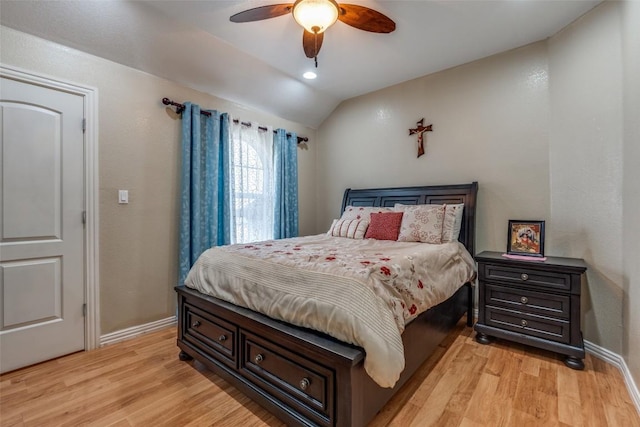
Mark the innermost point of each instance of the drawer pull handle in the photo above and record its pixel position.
(523, 323)
(524, 300)
(524, 276)
(259, 358)
(304, 383)
(222, 338)
(196, 324)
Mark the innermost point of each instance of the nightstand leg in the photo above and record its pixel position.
(184, 356)
(574, 363)
(469, 305)
(482, 338)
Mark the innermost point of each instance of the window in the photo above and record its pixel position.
(252, 190)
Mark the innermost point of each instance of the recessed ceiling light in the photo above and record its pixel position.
(309, 75)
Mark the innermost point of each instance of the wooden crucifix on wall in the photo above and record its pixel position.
(420, 129)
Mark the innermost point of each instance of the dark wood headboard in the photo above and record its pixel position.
(436, 194)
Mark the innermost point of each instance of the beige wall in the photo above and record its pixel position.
(139, 151)
(595, 128)
(490, 124)
(585, 63)
(541, 129)
(631, 185)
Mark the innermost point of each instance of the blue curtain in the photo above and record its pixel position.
(205, 208)
(286, 184)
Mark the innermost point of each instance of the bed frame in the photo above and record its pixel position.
(306, 377)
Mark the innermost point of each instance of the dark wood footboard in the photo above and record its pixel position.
(302, 376)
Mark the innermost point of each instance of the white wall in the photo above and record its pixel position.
(139, 151)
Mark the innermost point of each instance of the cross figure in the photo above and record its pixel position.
(420, 129)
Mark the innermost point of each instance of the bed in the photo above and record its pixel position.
(305, 377)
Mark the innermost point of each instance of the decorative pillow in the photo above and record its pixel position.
(421, 223)
(384, 226)
(362, 212)
(452, 222)
(351, 228)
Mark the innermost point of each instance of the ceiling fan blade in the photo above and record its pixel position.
(365, 19)
(312, 43)
(262, 12)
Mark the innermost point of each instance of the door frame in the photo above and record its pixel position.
(91, 191)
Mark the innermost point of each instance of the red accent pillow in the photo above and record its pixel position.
(384, 226)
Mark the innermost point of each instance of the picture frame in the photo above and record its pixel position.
(525, 237)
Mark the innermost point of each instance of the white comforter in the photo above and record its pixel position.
(359, 291)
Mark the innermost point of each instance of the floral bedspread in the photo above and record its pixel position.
(359, 291)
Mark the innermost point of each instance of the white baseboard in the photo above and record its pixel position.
(617, 361)
(135, 331)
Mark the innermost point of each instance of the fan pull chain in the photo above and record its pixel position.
(315, 42)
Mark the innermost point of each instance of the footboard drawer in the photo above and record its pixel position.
(293, 379)
(215, 336)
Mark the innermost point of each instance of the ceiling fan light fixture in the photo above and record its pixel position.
(315, 16)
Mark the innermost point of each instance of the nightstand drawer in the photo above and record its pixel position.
(528, 277)
(550, 305)
(528, 324)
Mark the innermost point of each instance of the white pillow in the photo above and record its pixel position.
(362, 212)
(351, 228)
(421, 223)
(452, 222)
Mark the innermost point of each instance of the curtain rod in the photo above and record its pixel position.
(180, 108)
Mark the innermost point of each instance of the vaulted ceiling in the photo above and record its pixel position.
(260, 64)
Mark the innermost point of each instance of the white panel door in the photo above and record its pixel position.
(41, 224)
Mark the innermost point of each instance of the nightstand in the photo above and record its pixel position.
(531, 302)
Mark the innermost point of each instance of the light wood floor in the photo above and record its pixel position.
(141, 382)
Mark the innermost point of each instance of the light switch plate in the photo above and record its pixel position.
(123, 196)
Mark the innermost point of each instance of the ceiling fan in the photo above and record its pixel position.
(315, 16)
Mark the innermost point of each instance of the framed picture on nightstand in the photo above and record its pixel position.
(525, 238)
